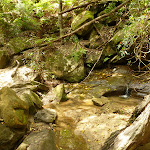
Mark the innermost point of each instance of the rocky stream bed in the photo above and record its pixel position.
(96, 108)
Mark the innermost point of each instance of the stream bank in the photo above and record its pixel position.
(97, 108)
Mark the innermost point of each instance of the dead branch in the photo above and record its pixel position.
(16, 69)
(71, 9)
(83, 26)
(94, 20)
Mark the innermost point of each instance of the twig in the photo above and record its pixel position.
(80, 6)
(16, 69)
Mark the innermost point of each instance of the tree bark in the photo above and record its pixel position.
(138, 133)
(60, 20)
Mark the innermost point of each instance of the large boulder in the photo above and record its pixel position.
(81, 19)
(18, 44)
(14, 111)
(9, 137)
(66, 63)
(39, 140)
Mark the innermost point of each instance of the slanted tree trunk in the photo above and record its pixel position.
(137, 134)
(60, 20)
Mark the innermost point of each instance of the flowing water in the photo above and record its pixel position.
(85, 126)
(82, 124)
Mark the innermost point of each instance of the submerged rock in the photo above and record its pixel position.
(100, 101)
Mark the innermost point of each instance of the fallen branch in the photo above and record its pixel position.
(96, 19)
(89, 23)
(83, 26)
(16, 69)
(81, 6)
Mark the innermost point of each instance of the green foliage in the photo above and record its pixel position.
(110, 7)
(136, 40)
(17, 16)
(77, 54)
(106, 58)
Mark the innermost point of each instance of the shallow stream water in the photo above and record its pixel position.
(95, 109)
(83, 125)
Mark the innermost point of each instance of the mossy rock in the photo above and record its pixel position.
(92, 56)
(14, 111)
(33, 101)
(59, 91)
(65, 67)
(9, 137)
(132, 31)
(110, 5)
(95, 40)
(4, 59)
(80, 20)
(18, 44)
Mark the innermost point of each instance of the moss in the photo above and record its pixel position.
(21, 116)
(18, 44)
(4, 59)
(36, 100)
(80, 20)
(70, 140)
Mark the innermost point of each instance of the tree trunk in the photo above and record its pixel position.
(135, 135)
(60, 21)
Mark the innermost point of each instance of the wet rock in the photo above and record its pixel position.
(9, 137)
(39, 140)
(14, 111)
(81, 19)
(46, 115)
(100, 101)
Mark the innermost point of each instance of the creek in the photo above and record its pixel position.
(97, 107)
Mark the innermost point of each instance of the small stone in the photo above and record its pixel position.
(100, 101)
(46, 115)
